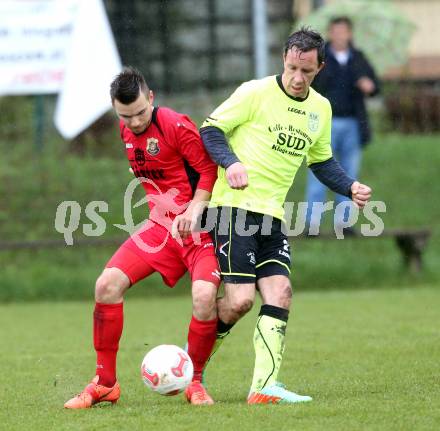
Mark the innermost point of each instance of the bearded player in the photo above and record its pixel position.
(166, 153)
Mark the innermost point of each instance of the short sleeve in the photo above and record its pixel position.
(235, 110)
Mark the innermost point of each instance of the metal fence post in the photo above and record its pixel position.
(259, 25)
(39, 122)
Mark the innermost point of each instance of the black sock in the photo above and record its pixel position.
(273, 311)
(223, 327)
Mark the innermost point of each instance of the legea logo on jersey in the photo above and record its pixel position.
(153, 146)
(296, 111)
(313, 121)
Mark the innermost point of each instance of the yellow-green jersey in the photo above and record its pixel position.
(270, 132)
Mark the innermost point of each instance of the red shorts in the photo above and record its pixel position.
(154, 249)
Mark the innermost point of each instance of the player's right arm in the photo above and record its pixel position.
(233, 112)
(217, 146)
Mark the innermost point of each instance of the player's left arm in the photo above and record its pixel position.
(192, 150)
(320, 160)
(331, 174)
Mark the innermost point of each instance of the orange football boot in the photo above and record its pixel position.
(94, 394)
(196, 394)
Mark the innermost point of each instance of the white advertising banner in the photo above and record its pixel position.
(65, 47)
(34, 35)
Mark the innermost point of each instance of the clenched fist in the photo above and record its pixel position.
(237, 176)
(360, 194)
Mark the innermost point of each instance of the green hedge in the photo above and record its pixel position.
(402, 170)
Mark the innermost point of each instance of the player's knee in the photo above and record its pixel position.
(284, 294)
(204, 299)
(204, 302)
(240, 306)
(108, 288)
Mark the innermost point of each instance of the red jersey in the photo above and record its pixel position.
(171, 155)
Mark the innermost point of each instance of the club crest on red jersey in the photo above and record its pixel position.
(153, 146)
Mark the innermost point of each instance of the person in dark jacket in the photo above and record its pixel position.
(346, 80)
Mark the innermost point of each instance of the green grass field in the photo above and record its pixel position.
(369, 358)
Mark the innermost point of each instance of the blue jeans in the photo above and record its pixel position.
(346, 147)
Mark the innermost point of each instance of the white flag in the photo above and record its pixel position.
(92, 63)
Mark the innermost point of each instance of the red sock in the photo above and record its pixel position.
(108, 320)
(201, 338)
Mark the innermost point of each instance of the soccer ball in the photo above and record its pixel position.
(167, 369)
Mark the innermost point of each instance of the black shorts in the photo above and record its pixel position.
(249, 246)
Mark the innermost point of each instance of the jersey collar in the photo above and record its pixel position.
(297, 99)
(154, 115)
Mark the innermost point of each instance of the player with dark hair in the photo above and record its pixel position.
(166, 153)
(259, 137)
